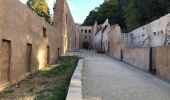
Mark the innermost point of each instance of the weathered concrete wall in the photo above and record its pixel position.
(162, 61)
(98, 41)
(71, 29)
(101, 37)
(137, 38)
(156, 33)
(22, 29)
(77, 37)
(95, 27)
(114, 42)
(139, 57)
(64, 22)
(106, 31)
(21, 26)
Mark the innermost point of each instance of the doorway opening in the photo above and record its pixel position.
(121, 55)
(108, 46)
(6, 61)
(152, 67)
(58, 54)
(48, 55)
(28, 57)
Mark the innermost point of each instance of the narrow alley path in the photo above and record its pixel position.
(108, 79)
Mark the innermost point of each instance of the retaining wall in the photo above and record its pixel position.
(139, 57)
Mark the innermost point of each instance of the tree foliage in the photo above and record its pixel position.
(90, 20)
(103, 12)
(129, 14)
(40, 7)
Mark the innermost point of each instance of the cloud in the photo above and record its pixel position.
(51, 5)
(23, 1)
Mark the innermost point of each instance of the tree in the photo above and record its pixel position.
(129, 14)
(40, 7)
(91, 18)
(121, 14)
(108, 10)
(132, 15)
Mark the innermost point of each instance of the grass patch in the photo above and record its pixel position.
(50, 83)
(8, 91)
(58, 92)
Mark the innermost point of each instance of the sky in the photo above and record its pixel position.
(79, 8)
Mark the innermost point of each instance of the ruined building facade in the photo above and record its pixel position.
(68, 30)
(146, 47)
(85, 37)
(28, 42)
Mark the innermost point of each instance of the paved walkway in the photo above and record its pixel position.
(108, 79)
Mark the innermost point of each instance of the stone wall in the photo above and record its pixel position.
(27, 42)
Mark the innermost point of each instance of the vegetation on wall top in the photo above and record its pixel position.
(40, 7)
